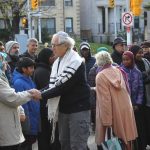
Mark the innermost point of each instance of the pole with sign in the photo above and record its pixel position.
(127, 21)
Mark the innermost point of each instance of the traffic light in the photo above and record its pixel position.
(24, 22)
(112, 3)
(34, 4)
(135, 7)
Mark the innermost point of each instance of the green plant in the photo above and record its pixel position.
(94, 46)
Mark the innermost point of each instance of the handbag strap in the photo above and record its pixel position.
(108, 133)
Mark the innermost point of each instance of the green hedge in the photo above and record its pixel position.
(94, 46)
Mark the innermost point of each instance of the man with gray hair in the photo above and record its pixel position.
(32, 45)
(68, 88)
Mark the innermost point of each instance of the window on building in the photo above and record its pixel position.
(69, 25)
(49, 24)
(2, 24)
(47, 2)
(136, 22)
(103, 19)
(68, 2)
(145, 18)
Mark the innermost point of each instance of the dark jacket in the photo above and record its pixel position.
(89, 62)
(41, 78)
(135, 83)
(91, 81)
(26, 54)
(75, 93)
(147, 56)
(117, 57)
(31, 108)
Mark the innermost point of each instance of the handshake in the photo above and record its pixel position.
(35, 94)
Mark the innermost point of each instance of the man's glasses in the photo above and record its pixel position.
(54, 45)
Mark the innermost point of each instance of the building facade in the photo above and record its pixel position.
(59, 15)
(51, 16)
(93, 20)
(98, 21)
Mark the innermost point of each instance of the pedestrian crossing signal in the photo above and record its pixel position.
(34, 4)
(111, 3)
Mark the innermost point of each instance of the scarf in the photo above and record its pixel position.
(62, 70)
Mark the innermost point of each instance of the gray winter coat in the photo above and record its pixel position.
(10, 128)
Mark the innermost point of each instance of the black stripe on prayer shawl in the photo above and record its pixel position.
(51, 82)
(69, 72)
(71, 68)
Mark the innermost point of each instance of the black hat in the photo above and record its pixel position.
(118, 40)
(145, 44)
(44, 55)
(25, 62)
(135, 49)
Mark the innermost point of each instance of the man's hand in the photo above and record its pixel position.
(35, 94)
(22, 118)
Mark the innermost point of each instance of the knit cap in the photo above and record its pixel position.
(9, 45)
(84, 45)
(129, 54)
(135, 49)
(102, 49)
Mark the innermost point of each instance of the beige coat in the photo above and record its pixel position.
(10, 127)
(113, 106)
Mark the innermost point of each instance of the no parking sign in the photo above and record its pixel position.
(127, 19)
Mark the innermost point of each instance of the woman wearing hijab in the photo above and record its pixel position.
(135, 81)
(144, 66)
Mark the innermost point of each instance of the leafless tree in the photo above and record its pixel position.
(12, 10)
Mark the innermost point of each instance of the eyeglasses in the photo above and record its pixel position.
(15, 47)
(54, 45)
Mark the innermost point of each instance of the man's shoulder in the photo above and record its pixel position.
(25, 54)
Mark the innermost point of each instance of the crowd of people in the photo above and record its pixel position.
(56, 95)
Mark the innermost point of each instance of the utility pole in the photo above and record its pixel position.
(129, 33)
(39, 28)
(29, 19)
(115, 21)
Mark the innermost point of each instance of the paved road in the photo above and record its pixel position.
(91, 143)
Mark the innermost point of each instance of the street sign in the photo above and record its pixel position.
(127, 19)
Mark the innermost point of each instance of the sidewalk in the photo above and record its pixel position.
(91, 143)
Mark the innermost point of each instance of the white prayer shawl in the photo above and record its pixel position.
(62, 70)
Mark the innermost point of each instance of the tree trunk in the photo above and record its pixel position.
(15, 22)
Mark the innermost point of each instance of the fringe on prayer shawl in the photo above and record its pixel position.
(53, 114)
